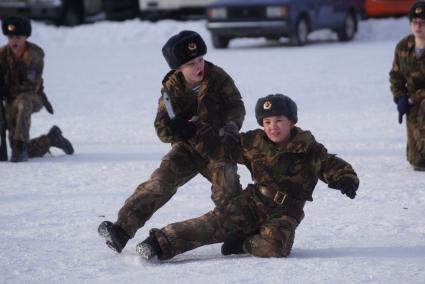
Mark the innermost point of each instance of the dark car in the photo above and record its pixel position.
(62, 12)
(120, 10)
(273, 19)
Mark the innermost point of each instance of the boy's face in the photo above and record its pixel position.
(17, 43)
(418, 28)
(193, 70)
(278, 129)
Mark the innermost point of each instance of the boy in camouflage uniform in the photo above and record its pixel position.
(21, 86)
(200, 113)
(285, 163)
(407, 79)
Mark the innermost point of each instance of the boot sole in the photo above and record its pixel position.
(110, 241)
(145, 251)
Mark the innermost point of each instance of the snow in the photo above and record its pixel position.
(103, 80)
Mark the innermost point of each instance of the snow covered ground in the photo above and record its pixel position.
(104, 79)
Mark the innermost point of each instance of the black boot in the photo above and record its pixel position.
(149, 248)
(116, 237)
(232, 246)
(57, 140)
(420, 166)
(19, 152)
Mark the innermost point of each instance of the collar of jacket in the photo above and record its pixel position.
(175, 79)
(32, 50)
(411, 42)
(299, 142)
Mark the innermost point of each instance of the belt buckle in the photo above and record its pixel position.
(280, 197)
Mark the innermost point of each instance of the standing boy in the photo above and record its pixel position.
(407, 79)
(200, 113)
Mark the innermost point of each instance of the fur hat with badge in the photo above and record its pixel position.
(417, 11)
(16, 26)
(183, 47)
(273, 105)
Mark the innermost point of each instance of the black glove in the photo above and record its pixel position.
(403, 107)
(208, 137)
(229, 135)
(182, 128)
(346, 185)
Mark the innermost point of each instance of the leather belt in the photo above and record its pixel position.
(279, 197)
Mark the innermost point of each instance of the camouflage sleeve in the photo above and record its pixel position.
(238, 150)
(3, 88)
(161, 123)
(418, 96)
(234, 109)
(329, 167)
(32, 70)
(397, 80)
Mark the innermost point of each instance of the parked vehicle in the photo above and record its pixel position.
(62, 12)
(273, 19)
(387, 8)
(177, 9)
(119, 10)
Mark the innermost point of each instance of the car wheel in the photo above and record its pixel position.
(220, 41)
(273, 38)
(347, 32)
(299, 38)
(152, 17)
(72, 14)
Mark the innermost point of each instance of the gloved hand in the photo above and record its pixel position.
(403, 107)
(229, 133)
(346, 185)
(208, 137)
(182, 128)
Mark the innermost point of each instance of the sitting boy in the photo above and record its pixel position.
(285, 163)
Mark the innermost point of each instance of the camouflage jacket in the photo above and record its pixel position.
(407, 75)
(217, 103)
(22, 75)
(294, 169)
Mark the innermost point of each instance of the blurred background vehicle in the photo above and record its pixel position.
(120, 10)
(273, 19)
(175, 9)
(387, 8)
(61, 12)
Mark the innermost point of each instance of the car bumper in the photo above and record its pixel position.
(51, 13)
(120, 10)
(249, 29)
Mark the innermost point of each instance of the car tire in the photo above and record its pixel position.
(72, 14)
(347, 32)
(300, 35)
(220, 41)
(152, 17)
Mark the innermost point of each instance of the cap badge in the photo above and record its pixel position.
(11, 28)
(267, 105)
(418, 10)
(192, 46)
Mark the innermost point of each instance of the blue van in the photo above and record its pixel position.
(273, 19)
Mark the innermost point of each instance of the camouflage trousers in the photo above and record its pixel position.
(266, 228)
(416, 134)
(18, 116)
(177, 167)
